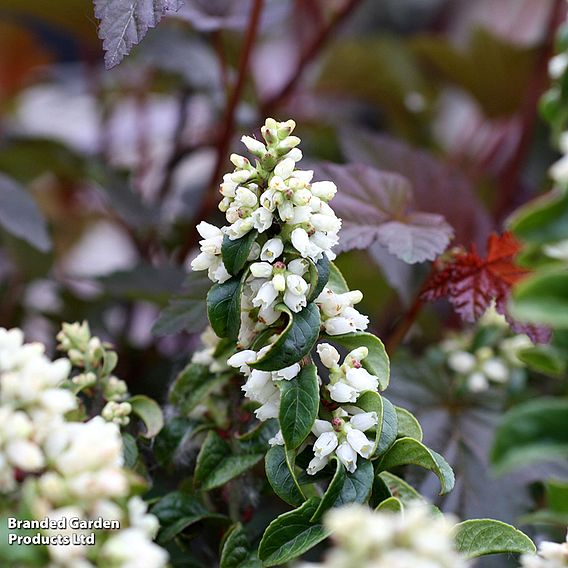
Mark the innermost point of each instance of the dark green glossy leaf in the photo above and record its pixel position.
(336, 282)
(332, 492)
(281, 478)
(319, 275)
(177, 511)
(408, 426)
(400, 488)
(299, 404)
(216, 464)
(358, 485)
(129, 450)
(235, 253)
(236, 550)
(407, 451)
(193, 385)
(171, 437)
(371, 401)
(377, 362)
(390, 427)
(291, 535)
(479, 537)
(294, 342)
(223, 308)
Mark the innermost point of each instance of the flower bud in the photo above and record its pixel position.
(364, 421)
(240, 161)
(328, 354)
(285, 168)
(279, 282)
(324, 190)
(261, 269)
(254, 146)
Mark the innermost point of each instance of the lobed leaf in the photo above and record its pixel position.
(124, 24)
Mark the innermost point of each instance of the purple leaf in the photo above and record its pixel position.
(376, 207)
(438, 187)
(124, 23)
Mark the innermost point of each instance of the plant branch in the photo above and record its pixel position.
(210, 199)
(308, 54)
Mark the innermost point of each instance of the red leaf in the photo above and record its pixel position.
(472, 283)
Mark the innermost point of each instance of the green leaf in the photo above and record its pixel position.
(170, 438)
(235, 550)
(543, 299)
(20, 216)
(294, 342)
(216, 465)
(299, 404)
(358, 485)
(129, 450)
(149, 412)
(223, 308)
(407, 451)
(392, 504)
(389, 428)
(291, 534)
(177, 511)
(332, 492)
(371, 401)
(319, 275)
(377, 362)
(531, 432)
(400, 488)
(408, 426)
(479, 537)
(542, 221)
(193, 385)
(336, 282)
(281, 478)
(235, 253)
(544, 359)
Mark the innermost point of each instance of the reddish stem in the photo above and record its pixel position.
(210, 199)
(307, 55)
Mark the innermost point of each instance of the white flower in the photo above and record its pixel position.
(342, 392)
(496, 370)
(477, 382)
(287, 373)
(25, 455)
(261, 269)
(359, 442)
(131, 548)
(276, 440)
(241, 359)
(550, 555)
(254, 146)
(364, 421)
(296, 284)
(462, 362)
(347, 456)
(317, 464)
(272, 249)
(324, 190)
(295, 302)
(266, 295)
(361, 380)
(262, 219)
(301, 241)
(328, 354)
(325, 444)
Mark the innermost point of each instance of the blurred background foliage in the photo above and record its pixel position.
(104, 174)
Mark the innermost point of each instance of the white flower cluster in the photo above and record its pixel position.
(296, 228)
(550, 555)
(206, 355)
(348, 381)
(294, 223)
(261, 385)
(495, 362)
(367, 539)
(344, 437)
(71, 469)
